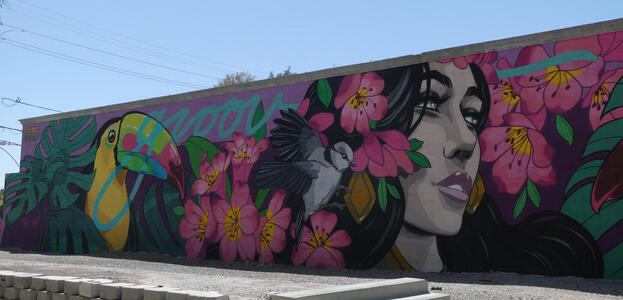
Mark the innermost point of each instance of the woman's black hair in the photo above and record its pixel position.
(546, 243)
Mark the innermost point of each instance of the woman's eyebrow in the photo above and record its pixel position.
(473, 91)
(436, 75)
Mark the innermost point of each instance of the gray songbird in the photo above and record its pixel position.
(305, 166)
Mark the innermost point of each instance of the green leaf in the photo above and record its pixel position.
(583, 172)
(613, 262)
(227, 188)
(263, 212)
(604, 138)
(564, 129)
(393, 191)
(372, 124)
(616, 98)
(72, 224)
(578, 204)
(382, 193)
(608, 216)
(257, 117)
(324, 92)
(178, 210)
(533, 193)
(419, 159)
(415, 144)
(259, 198)
(520, 205)
(196, 147)
(166, 240)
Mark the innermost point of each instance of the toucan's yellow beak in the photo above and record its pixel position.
(146, 147)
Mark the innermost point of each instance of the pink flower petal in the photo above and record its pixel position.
(531, 99)
(321, 121)
(240, 194)
(277, 201)
(279, 240)
(246, 247)
(388, 168)
(249, 219)
(219, 233)
(323, 221)
(228, 250)
(373, 149)
(195, 248)
(362, 123)
(516, 119)
(348, 118)
(266, 256)
(302, 253)
(590, 74)
(529, 55)
(282, 218)
(348, 87)
(542, 152)
(186, 229)
(492, 143)
(220, 209)
(303, 107)
(542, 176)
(402, 160)
(610, 43)
(192, 211)
(340, 239)
(361, 160)
(508, 175)
(561, 98)
(538, 119)
(239, 140)
(394, 138)
(373, 83)
(321, 258)
(376, 107)
(587, 43)
(230, 147)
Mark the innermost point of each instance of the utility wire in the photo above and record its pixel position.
(106, 52)
(8, 143)
(97, 65)
(9, 154)
(9, 128)
(122, 43)
(19, 101)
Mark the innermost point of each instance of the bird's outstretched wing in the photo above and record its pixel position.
(293, 139)
(295, 177)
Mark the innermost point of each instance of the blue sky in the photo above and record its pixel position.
(200, 41)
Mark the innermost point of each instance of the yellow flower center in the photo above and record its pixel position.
(600, 96)
(233, 229)
(202, 226)
(358, 100)
(320, 239)
(518, 138)
(268, 231)
(211, 178)
(242, 154)
(509, 95)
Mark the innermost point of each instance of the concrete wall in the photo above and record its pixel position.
(500, 156)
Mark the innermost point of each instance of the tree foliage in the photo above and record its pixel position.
(235, 78)
(286, 72)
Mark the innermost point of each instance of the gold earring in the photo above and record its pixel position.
(478, 192)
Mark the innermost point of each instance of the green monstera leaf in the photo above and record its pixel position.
(72, 231)
(25, 189)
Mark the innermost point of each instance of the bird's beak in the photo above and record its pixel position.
(146, 147)
(353, 164)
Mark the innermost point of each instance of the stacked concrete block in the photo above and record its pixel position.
(27, 286)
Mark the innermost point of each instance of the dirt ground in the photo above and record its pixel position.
(241, 280)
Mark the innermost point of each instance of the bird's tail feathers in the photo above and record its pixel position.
(300, 224)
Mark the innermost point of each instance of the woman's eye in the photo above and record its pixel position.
(429, 105)
(471, 120)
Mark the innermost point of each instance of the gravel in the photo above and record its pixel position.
(242, 280)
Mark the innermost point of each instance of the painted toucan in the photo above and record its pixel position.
(133, 143)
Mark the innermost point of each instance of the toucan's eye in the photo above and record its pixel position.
(111, 136)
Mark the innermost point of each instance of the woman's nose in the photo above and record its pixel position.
(460, 143)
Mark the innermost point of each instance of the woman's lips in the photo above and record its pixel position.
(456, 187)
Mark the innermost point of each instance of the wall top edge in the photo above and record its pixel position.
(497, 45)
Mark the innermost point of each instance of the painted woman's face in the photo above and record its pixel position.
(437, 196)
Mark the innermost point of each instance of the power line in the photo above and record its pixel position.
(8, 143)
(124, 44)
(4, 127)
(19, 101)
(106, 52)
(97, 65)
(9, 154)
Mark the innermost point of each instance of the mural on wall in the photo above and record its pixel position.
(506, 161)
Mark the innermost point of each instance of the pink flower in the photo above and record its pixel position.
(318, 247)
(236, 224)
(211, 176)
(483, 60)
(245, 153)
(319, 122)
(610, 43)
(598, 96)
(197, 227)
(519, 152)
(362, 92)
(383, 160)
(270, 236)
(558, 87)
